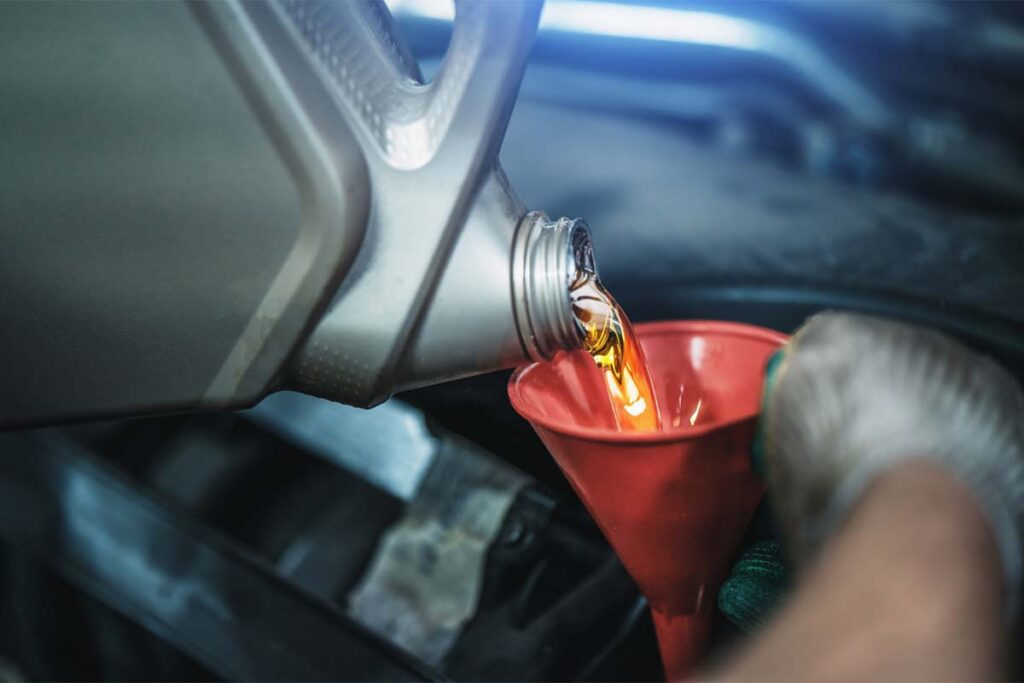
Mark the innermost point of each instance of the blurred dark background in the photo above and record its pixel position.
(745, 161)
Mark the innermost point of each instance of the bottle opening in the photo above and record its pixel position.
(546, 257)
(582, 250)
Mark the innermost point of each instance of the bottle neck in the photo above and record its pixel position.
(545, 260)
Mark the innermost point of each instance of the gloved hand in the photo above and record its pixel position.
(854, 395)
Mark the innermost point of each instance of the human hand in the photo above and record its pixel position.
(853, 396)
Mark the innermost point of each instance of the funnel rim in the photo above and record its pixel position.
(684, 432)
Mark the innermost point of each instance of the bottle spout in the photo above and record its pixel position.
(546, 259)
(503, 298)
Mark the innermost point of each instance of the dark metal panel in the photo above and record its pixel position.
(161, 569)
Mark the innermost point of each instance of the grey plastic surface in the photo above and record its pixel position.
(205, 202)
(178, 195)
(431, 153)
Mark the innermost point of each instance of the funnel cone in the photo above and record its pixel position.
(673, 504)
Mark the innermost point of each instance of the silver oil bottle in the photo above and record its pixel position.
(202, 203)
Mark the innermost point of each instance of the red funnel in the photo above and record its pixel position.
(673, 504)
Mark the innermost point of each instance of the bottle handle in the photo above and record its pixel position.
(461, 115)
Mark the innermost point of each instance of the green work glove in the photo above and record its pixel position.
(757, 583)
